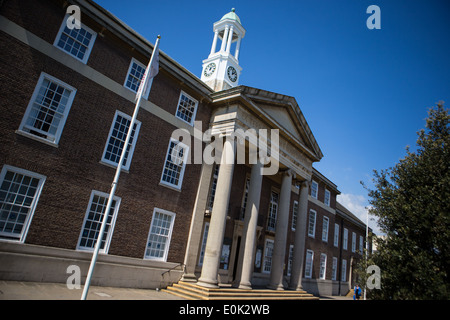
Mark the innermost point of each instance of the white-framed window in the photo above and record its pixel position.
(187, 108)
(203, 247)
(361, 244)
(245, 197)
(325, 224)
(294, 215)
(336, 235)
(116, 140)
(160, 234)
(314, 189)
(47, 110)
(309, 263)
(327, 198)
(212, 191)
(344, 270)
(76, 42)
(312, 223)
(353, 242)
(323, 266)
(273, 211)
(334, 269)
(173, 171)
(268, 251)
(19, 194)
(93, 220)
(135, 73)
(345, 240)
(290, 259)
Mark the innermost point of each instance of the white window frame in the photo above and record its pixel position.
(267, 262)
(309, 260)
(89, 47)
(133, 60)
(334, 269)
(201, 255)
(361, 244)
(344, 270)
(313, 233)
(133, 143)
(24, 127)
(168, 237)
(181, 173)
(327, 197)
(353, 242)
(20, 237)
(294, 215)
(194, 113)
(273, 213)
(111, 225)
(290, 259)
(245, 197)
(323, 266)
(345, 240)
(212, 190)
(336, 235)
(314, 189)
(325, 227)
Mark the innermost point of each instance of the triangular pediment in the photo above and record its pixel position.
(277, 111)
(286, 114)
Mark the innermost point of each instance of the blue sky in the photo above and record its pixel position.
(365, 93)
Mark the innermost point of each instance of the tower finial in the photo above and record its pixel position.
(233, 10)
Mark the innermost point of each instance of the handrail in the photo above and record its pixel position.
(178, 265)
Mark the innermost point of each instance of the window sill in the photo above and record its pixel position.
(172, 187)
(36, 138)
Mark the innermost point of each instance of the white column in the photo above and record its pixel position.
(224, 39)
(299, 242)
(213, 47)
(279, 247)
(211, 261)
(230, 38)
(195, 232)
(238, 45)
(248, 241)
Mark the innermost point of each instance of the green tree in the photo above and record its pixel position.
(412, 203)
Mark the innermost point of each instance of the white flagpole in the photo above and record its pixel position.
(118, 170)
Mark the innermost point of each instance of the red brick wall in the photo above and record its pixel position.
(73, 169)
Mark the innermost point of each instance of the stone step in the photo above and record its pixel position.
(195, 292)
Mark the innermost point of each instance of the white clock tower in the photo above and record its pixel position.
(221, 69)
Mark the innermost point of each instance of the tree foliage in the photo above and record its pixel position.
(412, 203)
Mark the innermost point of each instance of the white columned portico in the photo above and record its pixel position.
(279, 248)
(248, 242)
(299, 242)
(211, 261)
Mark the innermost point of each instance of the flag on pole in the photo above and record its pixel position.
(150, 72)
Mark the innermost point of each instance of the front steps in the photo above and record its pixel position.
(191, 291)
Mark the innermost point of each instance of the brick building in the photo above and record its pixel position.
(65, 112)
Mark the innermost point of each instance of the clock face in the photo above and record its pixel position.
(232, 74)
(209, 69)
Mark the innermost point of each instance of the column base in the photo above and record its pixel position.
(247, 286)
(298, 288)
(189, 277)
(208, 283)
(278, 287)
